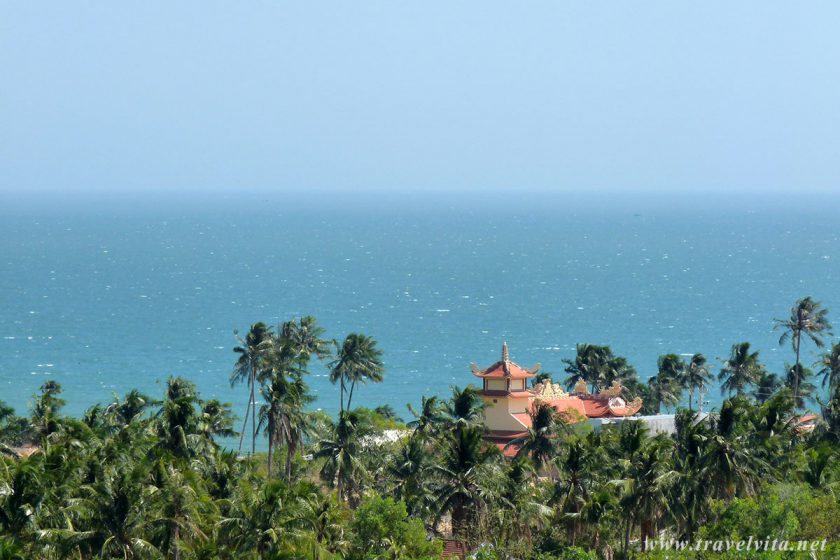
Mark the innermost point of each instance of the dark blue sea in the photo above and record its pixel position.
(105, 292)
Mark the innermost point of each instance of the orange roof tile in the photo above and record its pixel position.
(572, 408)
(596, 408)
(504, 368)
(524, 418)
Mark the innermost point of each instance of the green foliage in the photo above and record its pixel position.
(378, 419)
(142, 478)
(382, 529)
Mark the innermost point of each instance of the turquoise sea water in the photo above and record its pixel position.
(106, 295)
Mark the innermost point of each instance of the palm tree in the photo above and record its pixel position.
(342, 453)
(114, 510)
(460, 492)
(46, 410)
(591, 364)
(429, 418)
(797, 379)
(807, 317)
(261, 520)
(765, 386)
(302, 340)
(284, 418)
(666, 386)
(829, 366)
(741, 370)
(464, 409)
(285, 393)
(180, 511)
(359, 360)
(696, 376)
(731, 464)
(215, 420)
(572, 488)
(177, 422)
(539, 442)
(645, 488)
(594, 511)
(251, 350)
(818, 462)
(133, 405)
(409, 469)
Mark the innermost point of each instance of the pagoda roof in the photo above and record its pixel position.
(505, 369)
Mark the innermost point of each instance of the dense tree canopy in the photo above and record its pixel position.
(144, 478)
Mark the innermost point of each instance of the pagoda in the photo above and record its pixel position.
(507, 398)
(508, 401)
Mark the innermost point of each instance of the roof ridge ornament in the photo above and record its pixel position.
(505, 355)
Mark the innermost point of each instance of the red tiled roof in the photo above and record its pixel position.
(523, 417)
(502, 439)
(572, 408)
(504, 368)
(501, 370)
(494, 393)
(596, 408)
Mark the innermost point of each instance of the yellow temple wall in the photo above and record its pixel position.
(498, 415)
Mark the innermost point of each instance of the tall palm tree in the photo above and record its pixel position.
(696, 376)
(284, 392)
(252, 351)
(303, 340)
(829, 365)
(358, 361)
(807, 317)
(284, 417)
(667, 385)
(740, 370)
(590, 365)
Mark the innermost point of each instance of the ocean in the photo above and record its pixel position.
(105, 293)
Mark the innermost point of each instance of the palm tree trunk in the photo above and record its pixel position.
(627, 525)
(342, 392)
(350, 397)
(253, 411)
(244, 426)
(270, 449)
(798, 339)
(691, 399)
(647, 532)
(290, 455)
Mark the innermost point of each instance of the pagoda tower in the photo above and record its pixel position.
(506, 395)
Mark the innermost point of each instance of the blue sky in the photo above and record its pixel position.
(560, 96)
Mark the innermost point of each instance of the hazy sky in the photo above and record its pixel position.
(420, 95)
